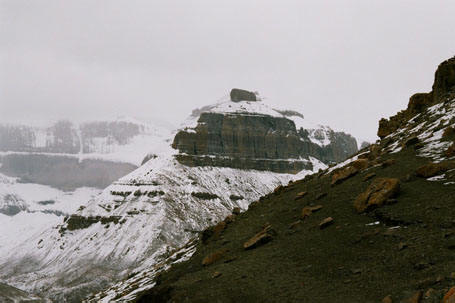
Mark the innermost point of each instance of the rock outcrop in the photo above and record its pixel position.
(253, 136)
(443, 89)
(242, 95)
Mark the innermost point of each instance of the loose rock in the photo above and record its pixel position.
(300, 195)
(387, 299)
(343, 174)
(416, 298)
(377, 193)
(449, 297)
(213, 257)
(434, 169)
(260, 238)
(308, 210)
(326, 222)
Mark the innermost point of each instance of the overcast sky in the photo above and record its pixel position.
(341, 63)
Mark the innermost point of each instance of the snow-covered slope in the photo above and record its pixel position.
(138, 221)
(133, 224)
(28, 209)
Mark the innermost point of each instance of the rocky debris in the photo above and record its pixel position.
(320, 196)
(238, 95)
(236, 198)
(326, 222)
(308, 210)
(213, 257)
(379, 191)
(450, 152)
(219, 228)
(340, 175)
(204, 196)
(369, 176)
(360, 164)
(300, 195)
(411, 141)
(375, 151)
(294, 225)
(278, 190)
(216, 274)
(449, 133)
(449, 297)
(434, 169)
(402, 246)
(415, 298)
(75, 222)
(230, 219)
(387, 163)
(261, 238)
(215, 231)
(236, 211)
(387, 299)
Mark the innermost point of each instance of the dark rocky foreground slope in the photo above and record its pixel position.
(377, 228)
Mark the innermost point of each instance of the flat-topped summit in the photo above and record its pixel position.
(246, 134)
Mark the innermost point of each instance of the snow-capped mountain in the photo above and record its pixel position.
(141, 219)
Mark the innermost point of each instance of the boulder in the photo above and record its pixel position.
(259, 239)
(411, 141)
(300, 195)
(219, 228)
(308, 210)
(238, 95)
(450, 152)
(379, 191)
(326, 222)
(449, 297)
(387, 299)
(449, 133)
(360, 164)
(415, 298)
(340, 175)
(213, 257)
(433, 169)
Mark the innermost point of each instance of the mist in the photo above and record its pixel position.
(341, 63)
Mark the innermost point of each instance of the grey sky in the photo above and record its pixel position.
(341, 63)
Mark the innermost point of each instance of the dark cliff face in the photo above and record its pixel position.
(250, 141)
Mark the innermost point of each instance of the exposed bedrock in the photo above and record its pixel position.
(250, 141)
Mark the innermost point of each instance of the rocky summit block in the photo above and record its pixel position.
(238, 95)
(379, 191)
